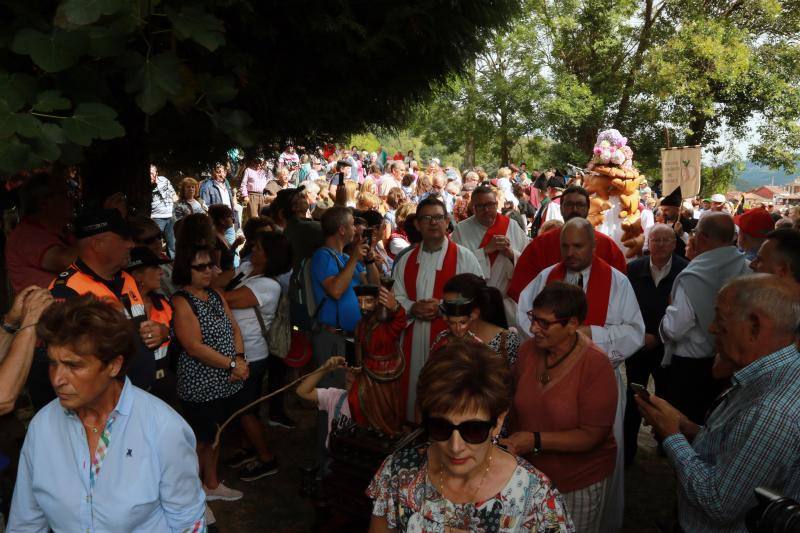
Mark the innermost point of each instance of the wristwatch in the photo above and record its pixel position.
(9, 328)
(232, 364)
(537, 443)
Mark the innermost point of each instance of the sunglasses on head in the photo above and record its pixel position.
(202, 267)
(472, 431)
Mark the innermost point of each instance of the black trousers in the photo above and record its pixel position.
(276, 378)
(692, 389)
(638, 369)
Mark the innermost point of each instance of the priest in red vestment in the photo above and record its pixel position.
(419, 278)
(544, 250)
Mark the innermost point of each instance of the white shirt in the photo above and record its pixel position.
(623, 333)
(267, 291)
(223, 192)
(660, 273)
(680, 331)
(553, 212)
(429, 264)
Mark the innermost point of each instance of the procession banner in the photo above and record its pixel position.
(680, 167)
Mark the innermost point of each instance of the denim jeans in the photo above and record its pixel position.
(167, 227)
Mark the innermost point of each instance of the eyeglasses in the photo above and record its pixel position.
(435, 219)
(472, 431)
(202, 267)
(488, 206)
(545, 324)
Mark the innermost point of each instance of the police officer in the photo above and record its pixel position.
(104, 245)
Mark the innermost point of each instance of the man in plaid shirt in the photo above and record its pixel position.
(751, 437)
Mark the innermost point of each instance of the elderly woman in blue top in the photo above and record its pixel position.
(105, 455)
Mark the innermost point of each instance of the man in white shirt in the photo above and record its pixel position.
(496, 241)
(419, 277)
(394, 178)
(689, 348)
(613, 322)
(161, 207)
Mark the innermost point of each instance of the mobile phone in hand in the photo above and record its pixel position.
(641, 391)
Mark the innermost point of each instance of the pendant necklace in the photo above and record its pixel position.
(474, 493)
(544, 377)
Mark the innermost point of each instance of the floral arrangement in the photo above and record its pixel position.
(612, 148)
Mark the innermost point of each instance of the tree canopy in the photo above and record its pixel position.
(696, 68)
(122, 82)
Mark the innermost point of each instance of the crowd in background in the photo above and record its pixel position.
(237, 277)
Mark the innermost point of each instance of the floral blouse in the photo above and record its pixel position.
(403, 495)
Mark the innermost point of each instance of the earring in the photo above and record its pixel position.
(495, 439)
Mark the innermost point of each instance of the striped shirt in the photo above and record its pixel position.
(751, 439)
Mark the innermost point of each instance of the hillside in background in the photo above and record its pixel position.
(755, 175)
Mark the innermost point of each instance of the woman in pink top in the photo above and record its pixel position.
(564, 404)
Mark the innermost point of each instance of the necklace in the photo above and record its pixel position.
(544, 377)
(474, 493)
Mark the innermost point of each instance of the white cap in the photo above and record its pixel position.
(718, 198)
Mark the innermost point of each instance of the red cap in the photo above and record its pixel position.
(755, 222)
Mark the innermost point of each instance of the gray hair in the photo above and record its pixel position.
(310, 186)
(769, 294)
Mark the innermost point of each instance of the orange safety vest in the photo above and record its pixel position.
(162, 316)
(82, 283)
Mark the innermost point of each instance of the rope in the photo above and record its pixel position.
(230, 419)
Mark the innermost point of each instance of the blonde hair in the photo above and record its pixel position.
(368, 201)
(185, 182)
(350, 186)
(504, 172)
(369, 186)
(403, 211)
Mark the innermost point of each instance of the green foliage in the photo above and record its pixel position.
(170, 79)
(696, 68)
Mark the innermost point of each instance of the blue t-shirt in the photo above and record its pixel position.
(324, 264)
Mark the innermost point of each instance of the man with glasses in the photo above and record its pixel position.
(419, 277)
(495, 241)
(652, 277)
(613, 322)
(543, 250)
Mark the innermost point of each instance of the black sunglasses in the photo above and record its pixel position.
(472, 431)
(202, 267)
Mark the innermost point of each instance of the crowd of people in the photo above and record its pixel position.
(488, 310)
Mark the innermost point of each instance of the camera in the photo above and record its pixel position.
(775, 513)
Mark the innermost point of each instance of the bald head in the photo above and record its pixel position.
(577, 244)
(714, 231)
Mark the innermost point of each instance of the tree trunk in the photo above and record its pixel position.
(469, 152)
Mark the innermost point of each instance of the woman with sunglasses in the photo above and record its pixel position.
(460, 480)
(212, 366)
(565, 403)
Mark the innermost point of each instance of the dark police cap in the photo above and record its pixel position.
(141, 256)
(366, 290)
(97, 221)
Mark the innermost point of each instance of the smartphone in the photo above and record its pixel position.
(368, 236)
(641, 390)
(350, 351)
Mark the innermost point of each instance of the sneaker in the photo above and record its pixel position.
(209, 516)
(223, 493)
(257, 470)
(241, 458)
(281, 420)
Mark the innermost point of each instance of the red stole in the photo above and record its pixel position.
(499, 227)
(598, 291)
(438, 325)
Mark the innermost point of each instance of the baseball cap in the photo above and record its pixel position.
(718, 198)
(142, 256)
(755, 222)
(97, 221)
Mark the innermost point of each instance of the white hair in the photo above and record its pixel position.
(770, 295)
(310, 186)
